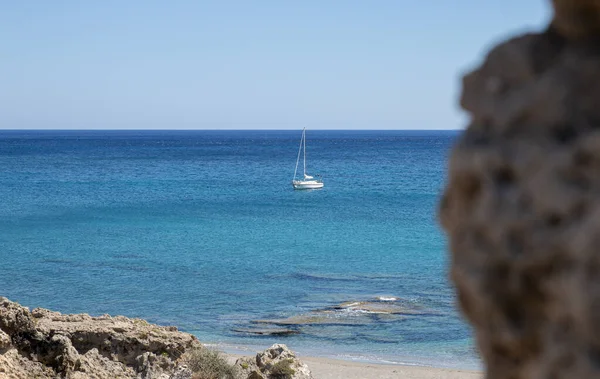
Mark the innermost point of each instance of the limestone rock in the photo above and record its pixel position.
(522, 204)
(265, 365)
(46, 344)
(5, 342)
(181, 372)
(14, 366)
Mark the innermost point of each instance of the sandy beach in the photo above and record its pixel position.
(326, 368)
(323, 368)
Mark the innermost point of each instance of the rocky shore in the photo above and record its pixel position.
(44, 344)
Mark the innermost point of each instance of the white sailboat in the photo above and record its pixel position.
(307, 182)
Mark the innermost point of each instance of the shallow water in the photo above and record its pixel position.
(202, 229)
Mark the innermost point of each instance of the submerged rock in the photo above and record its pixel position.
(267, 331)
(384, 307)
(274, 363)
(45, 344)
(353, 313)
(316, 318)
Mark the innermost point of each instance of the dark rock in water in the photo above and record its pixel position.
(353, 313)
(316, 318)
(268, 331)
(522, 204)
(266, 364)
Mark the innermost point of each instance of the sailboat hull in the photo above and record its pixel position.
(307, 184)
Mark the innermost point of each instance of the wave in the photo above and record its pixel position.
(346, 277)
(323, 277)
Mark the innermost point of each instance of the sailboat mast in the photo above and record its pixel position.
(298, 159)
(304, 138)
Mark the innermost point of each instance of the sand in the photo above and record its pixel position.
(323, 368)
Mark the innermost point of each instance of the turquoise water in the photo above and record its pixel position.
(202, 229)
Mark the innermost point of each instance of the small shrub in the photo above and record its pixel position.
(282, 370)
(209, 364)
(245, 365)
(139, 321)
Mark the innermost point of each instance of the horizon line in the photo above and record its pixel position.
(224, 130)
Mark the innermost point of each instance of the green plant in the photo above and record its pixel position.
(139, 321)
(245, 365)
(209, 364)
(282, 370)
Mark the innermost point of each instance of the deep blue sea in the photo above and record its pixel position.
(203, 230)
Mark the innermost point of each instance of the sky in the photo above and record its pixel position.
(260, 64)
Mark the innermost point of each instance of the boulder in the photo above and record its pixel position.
(522, 203)
(276, 362)
(577, 19)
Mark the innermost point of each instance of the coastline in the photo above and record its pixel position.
(47, 344)
(462, 365)
(328, 368)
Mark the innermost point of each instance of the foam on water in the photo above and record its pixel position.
(387, 298)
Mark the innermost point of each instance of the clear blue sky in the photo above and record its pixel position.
(246, 64)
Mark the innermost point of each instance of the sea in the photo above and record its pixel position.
(203, 230)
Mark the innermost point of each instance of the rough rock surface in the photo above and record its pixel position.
(262, 367)
(522, 205)
(45, 344)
